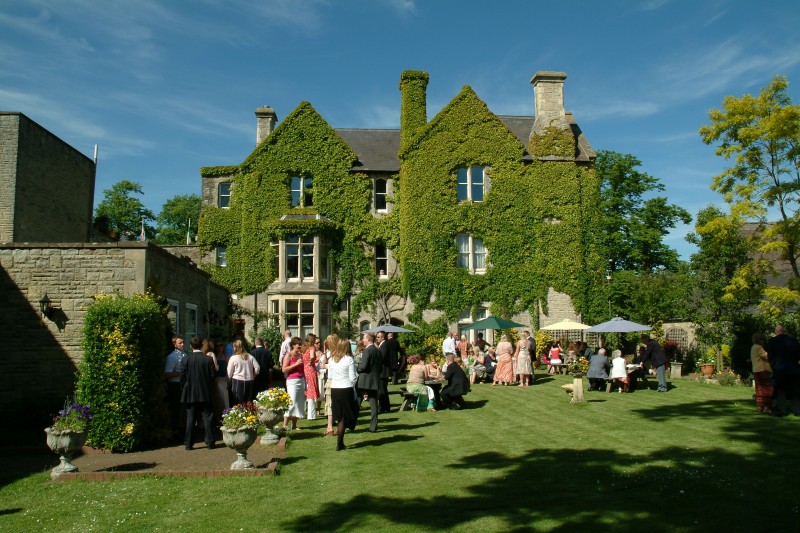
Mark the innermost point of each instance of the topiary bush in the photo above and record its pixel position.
(121, 374)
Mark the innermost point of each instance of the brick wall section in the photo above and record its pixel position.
(54, 184)
(40, 356)
(9, 141)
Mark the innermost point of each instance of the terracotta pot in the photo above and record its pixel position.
(707, 370)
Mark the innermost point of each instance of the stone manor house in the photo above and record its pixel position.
(465, 215)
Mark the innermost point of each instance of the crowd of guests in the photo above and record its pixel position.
(216, 375)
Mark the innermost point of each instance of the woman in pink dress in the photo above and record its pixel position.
(310, 348)
(505, 369)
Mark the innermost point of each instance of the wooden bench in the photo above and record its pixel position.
(408, 398)
(560, 368)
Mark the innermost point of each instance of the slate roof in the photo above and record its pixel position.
(377, 148)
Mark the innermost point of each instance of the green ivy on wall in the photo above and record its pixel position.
(302, 145)
(535, 221)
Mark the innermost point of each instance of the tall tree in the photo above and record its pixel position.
(632, 228)
(725, 285)
(122, 211)
(761, 136)
(178, 216)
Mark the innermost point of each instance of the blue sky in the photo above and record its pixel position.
(167, 87)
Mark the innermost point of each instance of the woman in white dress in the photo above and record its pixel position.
(524, 365)
(295, 383)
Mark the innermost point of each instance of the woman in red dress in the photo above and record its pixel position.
(310, 348)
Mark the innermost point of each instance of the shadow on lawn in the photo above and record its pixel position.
(669, 489)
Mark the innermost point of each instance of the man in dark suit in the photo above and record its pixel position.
(655, 356)
(369, 377)
(197, 375)
(386, 371)
(457, 385)
(396, 356)
(784, 354)
(263, 357)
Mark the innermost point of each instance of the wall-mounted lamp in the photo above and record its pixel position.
(45, 306)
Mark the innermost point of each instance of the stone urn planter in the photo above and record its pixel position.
(577, 388)
(707, 370)
(240, 439)
(65, 443)
(675, 370)
(270, 417)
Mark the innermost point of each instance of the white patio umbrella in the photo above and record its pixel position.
(565, 325)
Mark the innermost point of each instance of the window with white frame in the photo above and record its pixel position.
(222, 256)
(324, 263)
(381, 261)
(300, 258)
(224, 195)
(471, 185)
(191, 321)
(174, 315)
(302, 191)
(380, 191)
(300, 317)
(471, 253)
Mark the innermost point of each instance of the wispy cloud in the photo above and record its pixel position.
(379, 116)
(403, 7)
(600, 109)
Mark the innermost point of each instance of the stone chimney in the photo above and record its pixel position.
(266, 118)
(551, 136)
(413, 105)
(548, 94)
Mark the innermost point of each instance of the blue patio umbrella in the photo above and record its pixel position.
(617, 325)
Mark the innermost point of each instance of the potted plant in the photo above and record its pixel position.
(707, 361)
(67, 434)
(578, 367)
(240, 426)
(272, 404)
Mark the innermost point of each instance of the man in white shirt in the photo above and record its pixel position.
(286, 346)
(449, 345)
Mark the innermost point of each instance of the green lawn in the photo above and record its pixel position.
(699, 458)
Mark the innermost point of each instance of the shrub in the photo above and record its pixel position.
(728, 378)
(121, 374)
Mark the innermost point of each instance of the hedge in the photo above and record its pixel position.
(121, 374)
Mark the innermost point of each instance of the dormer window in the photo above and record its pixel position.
(471, 185)
(302, 192)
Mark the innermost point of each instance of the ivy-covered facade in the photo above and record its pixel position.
(465, 215)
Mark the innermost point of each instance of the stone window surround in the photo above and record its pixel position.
(303, 187)
(318, 317)
(192, 326)
(465, 318)
(319, 256)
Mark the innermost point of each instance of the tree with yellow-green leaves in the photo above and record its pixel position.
(760, 135)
